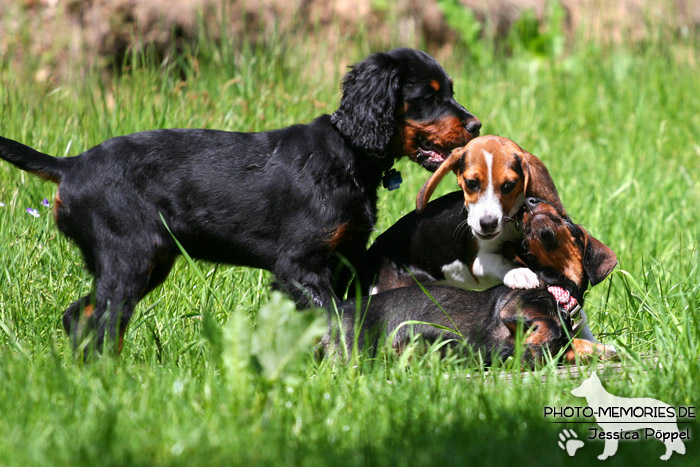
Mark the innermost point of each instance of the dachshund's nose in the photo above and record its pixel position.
(531, 202)
(473, 126)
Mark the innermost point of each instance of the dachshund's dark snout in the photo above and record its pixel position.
(531, 203)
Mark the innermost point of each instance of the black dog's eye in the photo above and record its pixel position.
(507, 187)
(430, 96)
(472, 184)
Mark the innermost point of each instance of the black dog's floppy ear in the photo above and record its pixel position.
(367, 111)
(598, 259)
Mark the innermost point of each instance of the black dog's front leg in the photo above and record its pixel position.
(307, 288)
(304, 296)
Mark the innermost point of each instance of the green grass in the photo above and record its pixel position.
(196, 385)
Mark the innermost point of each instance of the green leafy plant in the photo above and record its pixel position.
(277, 347)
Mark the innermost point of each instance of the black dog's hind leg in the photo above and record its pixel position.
(120, 282)
(82, 307)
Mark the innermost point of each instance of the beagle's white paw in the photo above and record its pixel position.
(521, 278)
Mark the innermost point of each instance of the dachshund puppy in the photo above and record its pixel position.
(289, 200)
(564, 255)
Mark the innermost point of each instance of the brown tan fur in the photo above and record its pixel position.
(446, 132)
(339, 235)
(585, 350)
(568, 257)
(467, 162)
(57, 203)
(45, 176)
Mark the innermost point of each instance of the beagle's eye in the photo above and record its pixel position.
(507, 187)
(472, 184)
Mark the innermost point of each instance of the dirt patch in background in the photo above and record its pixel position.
(49, 35)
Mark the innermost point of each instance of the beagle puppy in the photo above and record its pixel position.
(495, 175)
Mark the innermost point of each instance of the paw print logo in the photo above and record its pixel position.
(569, 442)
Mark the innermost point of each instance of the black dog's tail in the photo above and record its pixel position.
(35, 162)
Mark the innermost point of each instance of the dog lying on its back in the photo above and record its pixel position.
(566, 258)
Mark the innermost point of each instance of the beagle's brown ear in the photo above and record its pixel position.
(598, 259)
(450, 164)
(539, 183)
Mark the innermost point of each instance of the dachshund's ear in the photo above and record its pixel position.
(538, 183)
(368, 109)
(450, 164)
(598, 259)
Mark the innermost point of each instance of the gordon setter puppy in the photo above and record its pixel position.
(290, 200)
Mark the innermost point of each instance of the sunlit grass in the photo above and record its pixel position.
(618, 131)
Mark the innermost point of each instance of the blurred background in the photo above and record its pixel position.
(55, 39)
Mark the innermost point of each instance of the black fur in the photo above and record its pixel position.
(417, 246)
(486, 321)
(288, 200)
(368, 109)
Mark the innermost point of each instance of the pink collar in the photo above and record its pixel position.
(564, 299)
(569, 306)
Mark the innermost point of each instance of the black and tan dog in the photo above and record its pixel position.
(463, 238)
(567, 260)
(459, 238)
(288, 200)
(496, 175)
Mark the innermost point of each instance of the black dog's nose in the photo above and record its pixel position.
(531, 202)
(488, 224)
(473, 126)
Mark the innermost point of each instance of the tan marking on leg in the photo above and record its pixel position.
(586, 350)
(57, 204)
(88, 311)
(340, 235)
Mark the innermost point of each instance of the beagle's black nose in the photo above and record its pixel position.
(489, 224)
